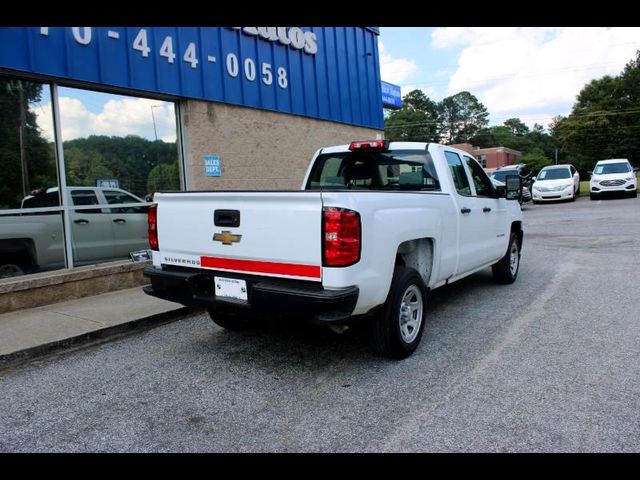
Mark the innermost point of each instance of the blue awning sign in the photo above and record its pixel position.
(391, 95)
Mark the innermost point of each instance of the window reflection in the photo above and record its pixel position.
(31, 240)
(26, 151)
(117, 150)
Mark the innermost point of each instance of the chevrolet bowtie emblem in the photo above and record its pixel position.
(226, 237)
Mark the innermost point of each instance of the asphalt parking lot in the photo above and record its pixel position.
(548, 364)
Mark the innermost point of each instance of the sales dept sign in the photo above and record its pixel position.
(212, 166)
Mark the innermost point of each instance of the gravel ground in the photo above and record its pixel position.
(548, 364)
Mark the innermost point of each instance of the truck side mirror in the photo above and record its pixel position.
(513, 186)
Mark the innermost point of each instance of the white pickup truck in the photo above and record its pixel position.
(376, 226)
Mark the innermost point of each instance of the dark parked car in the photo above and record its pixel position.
(499, 175)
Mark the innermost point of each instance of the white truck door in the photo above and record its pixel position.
(493, 211)
(471, 219)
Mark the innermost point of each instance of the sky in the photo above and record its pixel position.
(84, 113)
(531, 73)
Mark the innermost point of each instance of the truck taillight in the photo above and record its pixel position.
(341, 237)
(152, 222)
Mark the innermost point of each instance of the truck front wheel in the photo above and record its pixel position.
(396, 330)
(506, 270)
(231, 321)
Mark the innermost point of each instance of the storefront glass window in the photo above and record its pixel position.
(31, 228)
(118, 150)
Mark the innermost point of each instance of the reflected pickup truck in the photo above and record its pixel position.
(375, 227)
(107, 225)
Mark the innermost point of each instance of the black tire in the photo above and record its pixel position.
(593, 196)
(634, 194)
(232, 321)
(392, 332)
(506, 270)
(8, 270)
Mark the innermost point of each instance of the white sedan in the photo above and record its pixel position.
(557, 182)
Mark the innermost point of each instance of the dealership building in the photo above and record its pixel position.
(108, 115)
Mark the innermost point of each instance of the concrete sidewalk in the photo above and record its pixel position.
(25, 334)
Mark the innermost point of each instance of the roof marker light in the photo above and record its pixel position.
(370, 145)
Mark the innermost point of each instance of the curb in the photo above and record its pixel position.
(102, 335)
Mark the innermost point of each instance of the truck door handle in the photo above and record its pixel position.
(81, 221)
(119, 220)
(465, 210)
(486, 209)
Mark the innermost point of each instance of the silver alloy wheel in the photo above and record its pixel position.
(411, 309)
(514, 258)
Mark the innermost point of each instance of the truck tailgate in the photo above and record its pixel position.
(279, 233)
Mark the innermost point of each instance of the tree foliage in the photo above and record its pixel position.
(536, 160)
(462, 116)
(537, 147)
(517, 127)
(129, 159)
(604, 122)
(453, 120)
(38, 154)
(164, 177)
(416, 121)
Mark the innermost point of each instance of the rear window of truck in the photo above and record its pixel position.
(374, 170)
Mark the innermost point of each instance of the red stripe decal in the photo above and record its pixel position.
(293, 269)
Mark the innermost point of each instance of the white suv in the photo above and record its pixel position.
(613, 176)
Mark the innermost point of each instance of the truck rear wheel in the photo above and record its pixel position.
(397, 328)
(231, 321)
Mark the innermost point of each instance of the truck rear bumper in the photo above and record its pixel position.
(266, 295)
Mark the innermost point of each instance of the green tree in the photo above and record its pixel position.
(517, 126)
(85, 166)
(130, 159)
(416, 121)
(21, 142)
(536, 160)
(604, 122)
(462, 116)
(164, 177)
(537, 128)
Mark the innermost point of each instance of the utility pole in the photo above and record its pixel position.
(23, 157)
(155, 132)
(556, 156)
